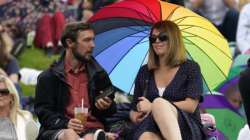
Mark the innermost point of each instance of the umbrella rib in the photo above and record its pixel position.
(209, 43)
(148, 10)
(172, 12)
(190, 26)
(129, 26)
(125, 54)
(208, 57)
(140, 65)
(183, 18)
(138, 13)
(121, 39)
(201, 74)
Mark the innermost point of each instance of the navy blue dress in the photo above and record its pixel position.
(186, 83)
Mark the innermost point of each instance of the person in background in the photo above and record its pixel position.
(72, 81)
(233, 96)
(222, 13)
(243, 36)
(11, 112)
(167, 90)
(8, 63)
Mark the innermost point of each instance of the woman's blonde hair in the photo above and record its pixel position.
(176, 54)
(15, 107)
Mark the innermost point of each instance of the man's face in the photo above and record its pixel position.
(82, 50)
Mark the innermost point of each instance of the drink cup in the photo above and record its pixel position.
(81, 113)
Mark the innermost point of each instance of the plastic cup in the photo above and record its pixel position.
(81, 113)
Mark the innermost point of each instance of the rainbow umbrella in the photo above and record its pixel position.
(122, 31)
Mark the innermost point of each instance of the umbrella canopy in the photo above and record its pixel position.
(122, 40)
(228, 119)
(239, 64)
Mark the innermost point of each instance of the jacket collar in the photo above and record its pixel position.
(58, 69)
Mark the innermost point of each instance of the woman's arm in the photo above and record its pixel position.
(188, 105)
(193, 88)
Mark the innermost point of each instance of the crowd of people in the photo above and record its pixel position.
(166, 106)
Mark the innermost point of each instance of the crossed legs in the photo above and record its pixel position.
(165, 115)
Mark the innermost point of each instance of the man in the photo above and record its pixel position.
(70, 82)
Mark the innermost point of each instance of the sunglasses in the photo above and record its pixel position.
(162, 37)
(4, 92)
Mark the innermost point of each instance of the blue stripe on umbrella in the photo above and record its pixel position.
(110, 57)
(129, 66)
(108, 38)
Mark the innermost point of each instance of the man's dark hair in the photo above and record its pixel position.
(72, 29)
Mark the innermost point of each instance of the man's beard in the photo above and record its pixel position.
(79, 57)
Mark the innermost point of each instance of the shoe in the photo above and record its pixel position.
(99, 135)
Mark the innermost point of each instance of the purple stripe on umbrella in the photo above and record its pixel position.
(217, 101)
(229, 83)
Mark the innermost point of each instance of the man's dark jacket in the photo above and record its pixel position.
(52, 96)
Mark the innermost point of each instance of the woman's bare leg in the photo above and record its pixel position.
(165, 115)
(149, 136)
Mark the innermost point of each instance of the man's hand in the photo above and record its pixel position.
(76, 125)
(103, 103)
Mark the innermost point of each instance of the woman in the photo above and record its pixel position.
(10, 109)
(8, 63)
(167, 90)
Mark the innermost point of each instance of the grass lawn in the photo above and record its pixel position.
(37, 59)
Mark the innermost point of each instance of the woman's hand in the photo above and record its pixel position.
(137, 117)
(144, 105)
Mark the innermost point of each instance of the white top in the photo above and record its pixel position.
(161, 90)
(243, 30)
(244, 133)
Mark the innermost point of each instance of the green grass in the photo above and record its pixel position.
(37, 59)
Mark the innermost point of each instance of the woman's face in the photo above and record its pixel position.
(5, 96)
(159, 42)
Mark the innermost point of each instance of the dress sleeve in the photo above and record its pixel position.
(138, 89)
(194, 82)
